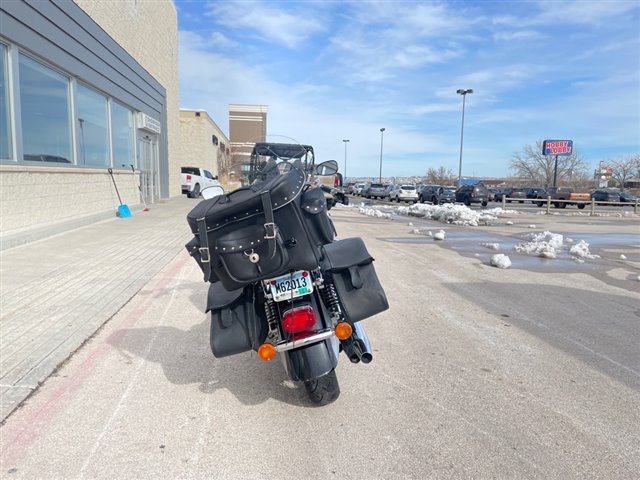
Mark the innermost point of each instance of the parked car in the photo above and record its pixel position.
(519, 194)
(605, 196)
(439, 194)
(349, 190)
(374, 190)
(403, 193)
(196, 179)
(426, 192)
(535, 192)
(628, 197)
(493, 194)
(388, 187)
(357, 189)
(567, 195)
(469, 194)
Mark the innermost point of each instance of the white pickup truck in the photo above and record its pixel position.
(195, 179)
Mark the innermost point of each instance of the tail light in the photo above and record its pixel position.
(267, 352)
(188, 178)
(336, 181)
(343, 330)
(299, 319)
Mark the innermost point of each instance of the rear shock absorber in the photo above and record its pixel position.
(272, 318)
(330, 300)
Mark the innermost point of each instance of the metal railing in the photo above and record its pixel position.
(592, 203)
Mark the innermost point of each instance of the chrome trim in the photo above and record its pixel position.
(367, 354)
(303, 342)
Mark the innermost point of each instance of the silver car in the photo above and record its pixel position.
(404, 193)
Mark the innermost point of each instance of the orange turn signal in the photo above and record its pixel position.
(267, 352)
(343, 330)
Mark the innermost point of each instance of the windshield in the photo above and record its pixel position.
(270, 159)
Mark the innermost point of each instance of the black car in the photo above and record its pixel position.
(425, 193)
(627, 197)
(519, 194)
(440, 195)
(536, 192)
(605, 196)
(469, 194)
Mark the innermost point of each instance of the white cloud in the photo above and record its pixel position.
(290, 27)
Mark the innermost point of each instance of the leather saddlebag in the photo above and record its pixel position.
(354, 276)
(253, 233)
(235, 325)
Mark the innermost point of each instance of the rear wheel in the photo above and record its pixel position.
(323, 390)
(467, 201)
(196, 191)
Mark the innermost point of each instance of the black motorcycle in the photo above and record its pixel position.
(281, 283)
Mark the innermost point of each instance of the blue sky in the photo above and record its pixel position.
(330, 71)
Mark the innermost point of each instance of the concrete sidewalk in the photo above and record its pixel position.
(58, 291)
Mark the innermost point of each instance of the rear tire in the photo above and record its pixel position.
(196, 192)
(323, 390)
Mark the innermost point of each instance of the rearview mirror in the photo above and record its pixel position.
(330, 167)
(213, 191)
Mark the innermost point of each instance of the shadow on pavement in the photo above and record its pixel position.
(186, 358)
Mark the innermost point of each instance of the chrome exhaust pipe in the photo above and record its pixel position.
(366, 354)
(352, 348)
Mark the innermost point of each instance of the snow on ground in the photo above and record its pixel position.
(454, 214)
(549, 245)
(500, 260)
(545, 244)
(439, 235)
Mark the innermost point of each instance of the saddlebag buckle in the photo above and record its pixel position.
(270, 230)
(204, 254)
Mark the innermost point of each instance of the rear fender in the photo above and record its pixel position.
(312, 361)
(315, 360)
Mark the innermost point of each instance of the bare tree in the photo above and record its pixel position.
(624, 168)
(531, 164)
(440, 176)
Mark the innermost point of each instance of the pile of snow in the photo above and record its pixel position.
(548, 245)
(374, 212)
(491, 246)
(581, 251)
(439, 235)
(500, 260)
(544, 244)
(454, 214)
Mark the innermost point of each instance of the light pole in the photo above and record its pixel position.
(345, 158)
(464, 96)
(381, 140)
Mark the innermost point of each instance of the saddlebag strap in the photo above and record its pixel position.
(356, 278)
(205, 256)
(269, 225)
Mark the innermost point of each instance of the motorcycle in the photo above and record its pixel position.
(281, 284)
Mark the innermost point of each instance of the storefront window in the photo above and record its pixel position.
(91, 129)
(44, 101)
(5, 132)
(122, 132)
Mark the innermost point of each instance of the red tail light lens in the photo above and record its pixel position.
(336, 181)
(188, 178)
(299, 320)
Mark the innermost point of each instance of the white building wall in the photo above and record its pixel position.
(148, 31)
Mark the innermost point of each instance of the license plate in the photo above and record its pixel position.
(290, 286)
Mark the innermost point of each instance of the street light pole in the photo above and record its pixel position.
(464, 96)
(381, 140)
(345, 158)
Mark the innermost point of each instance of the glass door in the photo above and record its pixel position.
(148, 165)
